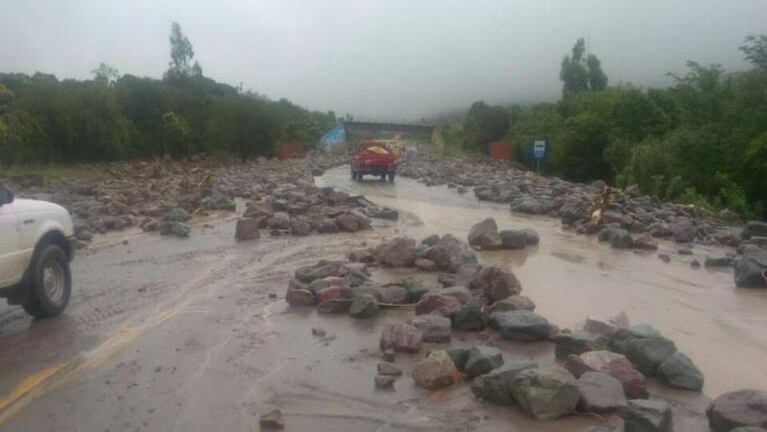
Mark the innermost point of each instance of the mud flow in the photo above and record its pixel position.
(193, 335)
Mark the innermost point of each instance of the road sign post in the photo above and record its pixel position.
(539, 151)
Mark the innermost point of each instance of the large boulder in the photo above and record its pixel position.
(448, 254)
(398, 252)
(619, 339)
(736, 409)
(496, 284)
(650, 415)
(494, 385)
(513, 239)
(578, 343)
(545, 393)
(435, 328)
(680, 372)
(513, 303)
(246, 229)
(440, 303)
(471, 317)
(648, 354)
(436, 371)
(521, 325)
(751, 268)
(402, 338)
(613, 364)
(754, 228)
(364, 306)
(485, 235)
(320, 270)
(482, 359)
(617, 237)
(600, 393)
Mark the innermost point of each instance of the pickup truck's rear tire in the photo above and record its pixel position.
(391, 177)
(50, 282)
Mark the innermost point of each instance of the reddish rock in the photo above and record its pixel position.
(329, 293)
(634, 383)
(434, 302)
(401, 338)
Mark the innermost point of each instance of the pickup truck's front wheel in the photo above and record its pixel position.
(50, 283)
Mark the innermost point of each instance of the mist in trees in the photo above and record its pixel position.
(44, 119)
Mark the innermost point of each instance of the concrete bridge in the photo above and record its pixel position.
(369, 126)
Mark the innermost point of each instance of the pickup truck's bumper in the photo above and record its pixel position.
(376, 170)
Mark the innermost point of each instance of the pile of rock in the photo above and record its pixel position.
(485, 235)
(163, 195)
(575, 203)
(601, 367)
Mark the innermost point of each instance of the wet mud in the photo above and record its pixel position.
(193, 335)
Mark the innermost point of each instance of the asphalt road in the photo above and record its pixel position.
(193, 335)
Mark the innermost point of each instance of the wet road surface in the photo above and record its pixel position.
(168, 334)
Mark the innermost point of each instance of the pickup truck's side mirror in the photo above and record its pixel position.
(6, 196)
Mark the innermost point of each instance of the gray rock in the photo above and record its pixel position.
(391, 294)
(299, 297)
(440, 303)
(364, 307)
(471, 317)
(600, 393)
(513, 239)
(322, 269)
(494, 385)
(750, 268)
(384, 381)
(177, 229)
(435, 328)
(648, 354)
(531, 237)
(620, 339)
(246, 229)
(754, 228)
(545, 393)
(485, 235)
(578, 343)
(680, 372)
(387, 368)
(521, 325)
(749, 429)
(617, 237)
(495, 283)
(737, 409)
(650, 415)
(515, 302)
(719, 261)
(430, 240)
(448, 253)
(459, 356)
(683, 232)
(435, 372)
(482, 359)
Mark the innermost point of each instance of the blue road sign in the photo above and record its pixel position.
(539, 148)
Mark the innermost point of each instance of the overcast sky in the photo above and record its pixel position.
(405, 58)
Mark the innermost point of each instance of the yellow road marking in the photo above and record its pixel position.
(44, 381)
(28, 384)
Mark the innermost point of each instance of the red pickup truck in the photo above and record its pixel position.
(373, 158)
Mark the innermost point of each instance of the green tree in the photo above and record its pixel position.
(579, 73)
(484, 124)
(181, 55)
(105, 73)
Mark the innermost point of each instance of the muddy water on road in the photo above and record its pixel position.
(570, 277)
(192, 335)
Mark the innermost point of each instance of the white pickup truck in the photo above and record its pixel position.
(36, 247)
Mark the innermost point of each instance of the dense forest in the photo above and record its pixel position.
(111, 117)
(702, 140)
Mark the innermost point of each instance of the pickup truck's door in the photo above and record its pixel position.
(11, 256)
